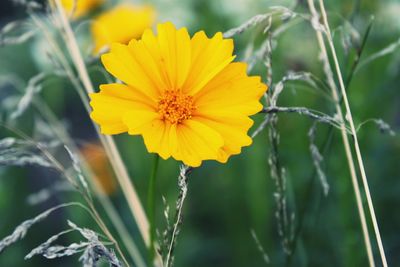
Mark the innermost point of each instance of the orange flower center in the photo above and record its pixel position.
(176, 107)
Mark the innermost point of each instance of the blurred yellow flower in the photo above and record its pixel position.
(96, 157)
(121, 24)
(79, 8)
(183, 95)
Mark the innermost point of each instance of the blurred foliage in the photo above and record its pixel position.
(226, 201)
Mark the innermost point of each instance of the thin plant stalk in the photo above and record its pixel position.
(346, 143)
(183, 188)
(89, 201)
(60, 168)
(354, 133)
(120, 227)
(62, 60)
(107, 141)
(103, 198)
(151, 206)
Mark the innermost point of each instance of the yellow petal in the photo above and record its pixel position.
(121, 24)
(232, 127)
(175, 51)
(173, 139)
(232, 90)
(112, 102)
(154, 131)
(150, 61)
(123, 65)
(165, 58)
(126, 92)
(197, 142)
(137, 120)
(150, 45)
(156, 138)
(209, 57)
(78, 7)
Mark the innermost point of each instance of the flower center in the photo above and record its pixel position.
(175, 106)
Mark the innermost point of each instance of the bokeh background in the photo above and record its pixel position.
(226, 201)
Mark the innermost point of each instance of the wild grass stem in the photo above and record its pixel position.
(104, 200)
(345, 139)
(354, 133)
(346, 143)
(107, 141)
(183, 181)
(60, 168)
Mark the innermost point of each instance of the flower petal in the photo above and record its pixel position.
(121, 98)
(175, 51)
(156, 138)
(79, 8)
(106, 28)
(155, 132)
(244, 92)
(137, 121)
(197, 142)
(123, 65)
(147, 54)
(232, 127)
(209, 57)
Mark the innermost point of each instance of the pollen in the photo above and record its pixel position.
(176, 107)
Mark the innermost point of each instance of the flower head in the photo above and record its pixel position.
(121, 24)
(79, 8)
(184, 95)
(96, 157)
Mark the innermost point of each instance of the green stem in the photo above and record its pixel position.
(151, 207)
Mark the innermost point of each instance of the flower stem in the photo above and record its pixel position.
(151, 207)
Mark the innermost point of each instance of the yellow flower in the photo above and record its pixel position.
(79, 8)
(96, 157)
(183, 95)
(121, 24)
